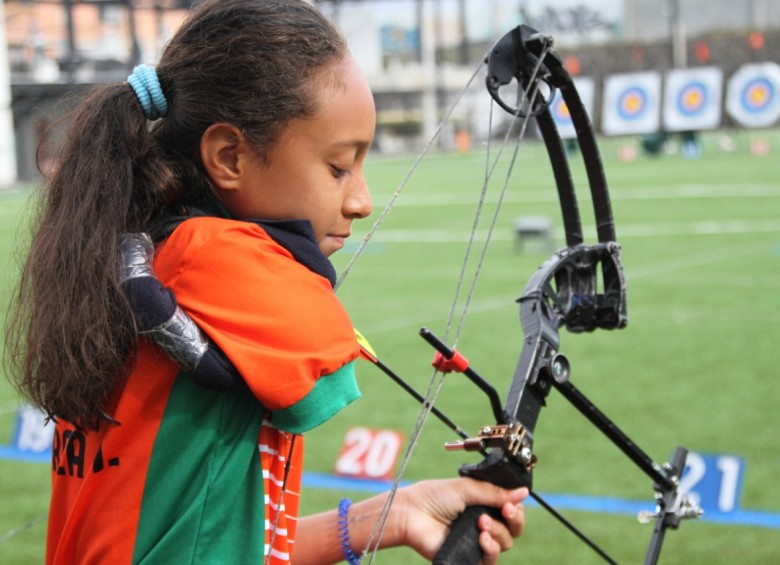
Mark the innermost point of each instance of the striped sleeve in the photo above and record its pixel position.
(281, 459)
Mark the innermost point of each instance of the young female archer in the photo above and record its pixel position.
(242, 155)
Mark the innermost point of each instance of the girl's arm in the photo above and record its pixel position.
(420, 518)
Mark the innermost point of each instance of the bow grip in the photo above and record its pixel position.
(461, 547)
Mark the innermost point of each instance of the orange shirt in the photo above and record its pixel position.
(194, 475)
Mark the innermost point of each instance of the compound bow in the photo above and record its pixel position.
(566, 291)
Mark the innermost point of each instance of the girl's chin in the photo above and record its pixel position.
(331, 244)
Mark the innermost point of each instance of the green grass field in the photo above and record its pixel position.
(697, 365)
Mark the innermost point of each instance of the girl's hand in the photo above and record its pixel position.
(427, 509)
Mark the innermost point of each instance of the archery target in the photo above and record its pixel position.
(692, 99)
(560, 111)
(753, 97)
(631, 103)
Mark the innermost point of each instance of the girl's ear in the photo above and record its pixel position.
(223, 150)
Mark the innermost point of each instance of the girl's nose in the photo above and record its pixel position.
(358, 201)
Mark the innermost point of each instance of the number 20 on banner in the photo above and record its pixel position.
(369, 454)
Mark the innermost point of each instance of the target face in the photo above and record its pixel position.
(560, 111)
(632, 103)
(758, 95)
(753, 98)
(692, 99)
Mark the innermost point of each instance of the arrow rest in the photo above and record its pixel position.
(507, 437)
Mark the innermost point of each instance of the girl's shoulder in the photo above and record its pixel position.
(210, 230)
(213, 240)
(282, 244)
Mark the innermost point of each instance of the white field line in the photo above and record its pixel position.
(423, 318)
(706, 227)
(742, 190)
(489, 304)
(698, 259)
(730, 280)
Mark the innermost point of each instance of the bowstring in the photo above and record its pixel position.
(24, 527)
(437, 380)
(372, 545)
(391, 203)
(379, 526)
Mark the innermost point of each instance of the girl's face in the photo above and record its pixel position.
(315, 170)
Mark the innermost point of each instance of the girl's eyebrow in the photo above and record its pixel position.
(348, 143)
(360, 146)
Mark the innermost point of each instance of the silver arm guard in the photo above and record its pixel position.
(137, 252)
(179, 336)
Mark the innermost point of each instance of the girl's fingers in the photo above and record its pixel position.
(491, 549)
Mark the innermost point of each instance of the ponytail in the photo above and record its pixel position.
(71, 330)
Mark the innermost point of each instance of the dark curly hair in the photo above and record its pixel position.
(255, 64)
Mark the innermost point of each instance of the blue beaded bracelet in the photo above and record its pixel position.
(346, 548)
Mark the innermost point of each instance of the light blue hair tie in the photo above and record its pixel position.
(146, 86)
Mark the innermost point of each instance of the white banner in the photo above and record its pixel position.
(692, 99)
(632, 103)
(560, 112)
(571, 22)
(753, 96)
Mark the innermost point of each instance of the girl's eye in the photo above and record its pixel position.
(339, 172)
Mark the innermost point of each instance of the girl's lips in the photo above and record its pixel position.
(338, 239)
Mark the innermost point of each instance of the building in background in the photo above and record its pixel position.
(417, 54)
(56, 48)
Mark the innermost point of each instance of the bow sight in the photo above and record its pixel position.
(566, 291)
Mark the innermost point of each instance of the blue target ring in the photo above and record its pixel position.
(692, 99)
(632, 103)
(560, 111)
(757, 95)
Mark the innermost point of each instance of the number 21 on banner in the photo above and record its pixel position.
(714, 481)
(369, 454)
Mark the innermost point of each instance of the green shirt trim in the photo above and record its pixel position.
(330, 394)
